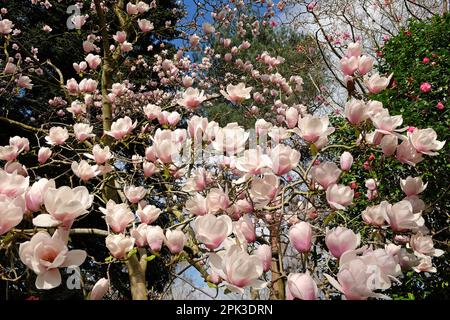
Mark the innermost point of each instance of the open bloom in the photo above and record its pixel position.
(230, 139)
(13, 184)
(349, 65)
(424, 245)
(145, 25)
(237, 93)
(45, 254)
(119, 245)
(99, 154)
(400, 217)
(93, 60)
(64, 205)
(57, 135)
(300, 236)
(263, 190)
(339, 196)
(354, 49)
(191, 99)
(197, 205)
(211, 230)
(83, 131)
(253, 161)
(284, 159)
(340, 240)
(148, 214)
(365, 64)
(375, 215)
(326, 173)
(11, 212)
(84, 170)
(134, 194)
(301, 286)
(237, 268)
(312, 128)
(425, 141)
(217, 200)
(121, 128)
(117, 215)
(376, 84)
(35, 195)
(406, 153)
(412, 186)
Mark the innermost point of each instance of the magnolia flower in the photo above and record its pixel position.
(9, 153)
(119, 245)
(24, 82)
(300, 236)
(217, 200)
(198, 181)
(11, 212)
(425, 141)
(88, 85)
(356, 111)
(264, 252)
(35, 195)
(79, 21)
(99, 155)
(339, 196)
(118, 216)
(400, 217)
(424, 245)
(155, 237)
(326, 173)
(99, 290)
(148, 214)
(93, 60)
(263, 190)
(284, 159)
(406, 153)
(412, 186)
(211, 230)
(84, 170)
(13, 184)
(121, 128)
(230, 139)
(193, 40)
(22, 144)
(253, 161)
(149, 168)
(312, 128)
(134, 194)
(354, 49)
(83, 131)
(301, 286)
(292, 117)
(237, 93)
(365, 64)
(388, 144)
(197, 205)
(191, 99)
(45, 254)
(139, 235)
(349, 65)
(6, 26)
(145, 25)
(244, 229)
(76, 108)
(237, 268)
(376, 84)
(425, 264)
(63, 205)
(57, 135)
(375, 215)
(175, 240)
(346, 161)
(340, 240)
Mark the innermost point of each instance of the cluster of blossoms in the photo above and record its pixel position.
(228, 193)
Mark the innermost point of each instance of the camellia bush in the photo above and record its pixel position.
(267, 213)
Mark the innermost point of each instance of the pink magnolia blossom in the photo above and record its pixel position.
(197, 205)
(134, 194)
(191, 99)
(388, 144)
(356, 111)
(120, 36)
(346, 161)
(425, 141)
(149, 168)
(79, 21)
(211, 230)
(312, 128)
(84, 170)
(83, 131)
(253, 161)
(326, 173)
(155, 237)
(263, 190)
(237, 93)
(93, 60)
(6, 26)
(121, 128)
(13, 184)
(100, 289)
(339, 196)
(175, 240)
(424, 245)
(139, 235)
(301, 286)
(349, 65)
(300, 236)
(11, 212)
(230, 139)
(152, 111)
(244, 229)
(292, 117)
(354, 49)
(117, 215)
(35, 195)
(44, 254)
(57, 135)
(365, 64)
(284, 159)
(264, 252)
(401, 217)
(88, 85)
(340, 240)
(375, 215)
(99, 154)
(217, 200)
(406, 153)
(198, 181)
(119, 245)
(145, 25)
(412, 186)
(376, 84)
(148, 213)
(44, 154)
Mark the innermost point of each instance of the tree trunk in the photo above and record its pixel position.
(137, 279)
(277, 291)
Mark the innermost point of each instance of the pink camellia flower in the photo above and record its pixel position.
(83, 131)
(93, 60)
(340, 240)
(44, 154)
(292, 117)
(191, 99)
(339, 196)
(139, 235)
(354, 49)
(211, 230)
(237, 93)
(148, 214)
(11, 212)
(412, 186)
(217, 200)
(237, 268)
(376, 84)
(349, 65)
(301, 286)
(424, 245)
(145, 25)
(13, 184)
(375, 215)
(84, 170)
(263, 190)
(155, 237)
(175, 240)
(99, 155)
(121, 128)
(244, 229)
(425, 87)
(388, 144)
(119, 245)
(300, 236)
(326, 173)
(45, 254)
(401, 217)
(79, 21)
(284, 159)
(6, 26)
(57, 135)
(356, 111)
(346, 161)
(99, 290)
(63, 206)
(264, 252)
(406, 153)
(365, 64)
(35, 195)
(134, 194)
(197, 205)
(230, 139)
(117, 216)
(425, 141)
(312, 128)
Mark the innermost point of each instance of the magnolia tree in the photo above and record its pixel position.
(241, 205)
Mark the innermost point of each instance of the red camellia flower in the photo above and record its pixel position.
(440, 105)
(426, 60)
(425, 87)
